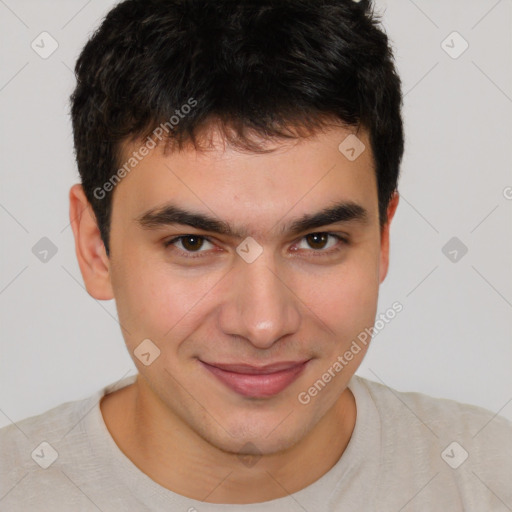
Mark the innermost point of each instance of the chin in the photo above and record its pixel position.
(254, 446)
(254, 438)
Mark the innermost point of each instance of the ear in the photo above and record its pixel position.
(90, 250)
(384, 243)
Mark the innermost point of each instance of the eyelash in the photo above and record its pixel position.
(198, 254)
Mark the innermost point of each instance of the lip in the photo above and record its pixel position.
(257, 381)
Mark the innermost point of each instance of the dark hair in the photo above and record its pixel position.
(276, 68)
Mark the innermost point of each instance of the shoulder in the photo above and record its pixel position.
(53, 423)
(26, 443)
(461, 452)
(400, 409)
(31, 455)
(50, 451)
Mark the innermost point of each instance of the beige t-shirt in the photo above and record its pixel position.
(408, 452)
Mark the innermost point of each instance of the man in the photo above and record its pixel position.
(239, 165)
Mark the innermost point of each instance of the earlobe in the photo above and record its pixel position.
(384, 243)
(90, 250)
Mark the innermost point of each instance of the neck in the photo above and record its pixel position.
(177, 458)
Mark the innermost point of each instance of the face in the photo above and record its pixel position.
(254, 297)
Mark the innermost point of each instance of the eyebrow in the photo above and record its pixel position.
(171, 214)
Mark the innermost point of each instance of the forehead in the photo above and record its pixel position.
(299, 176)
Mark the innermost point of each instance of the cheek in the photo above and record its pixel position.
(346, 298)
(154, 302)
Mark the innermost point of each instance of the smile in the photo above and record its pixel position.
(254, 381)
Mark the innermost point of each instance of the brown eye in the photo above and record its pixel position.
(323, 244)
(317, 240)
(189, 244)
(192, 243)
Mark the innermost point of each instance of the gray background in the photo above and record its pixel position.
(453, 337)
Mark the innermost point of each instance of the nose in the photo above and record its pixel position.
(260, 305)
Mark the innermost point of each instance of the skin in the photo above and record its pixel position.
(179, 424)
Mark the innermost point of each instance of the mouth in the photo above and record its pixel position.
(257, 381)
